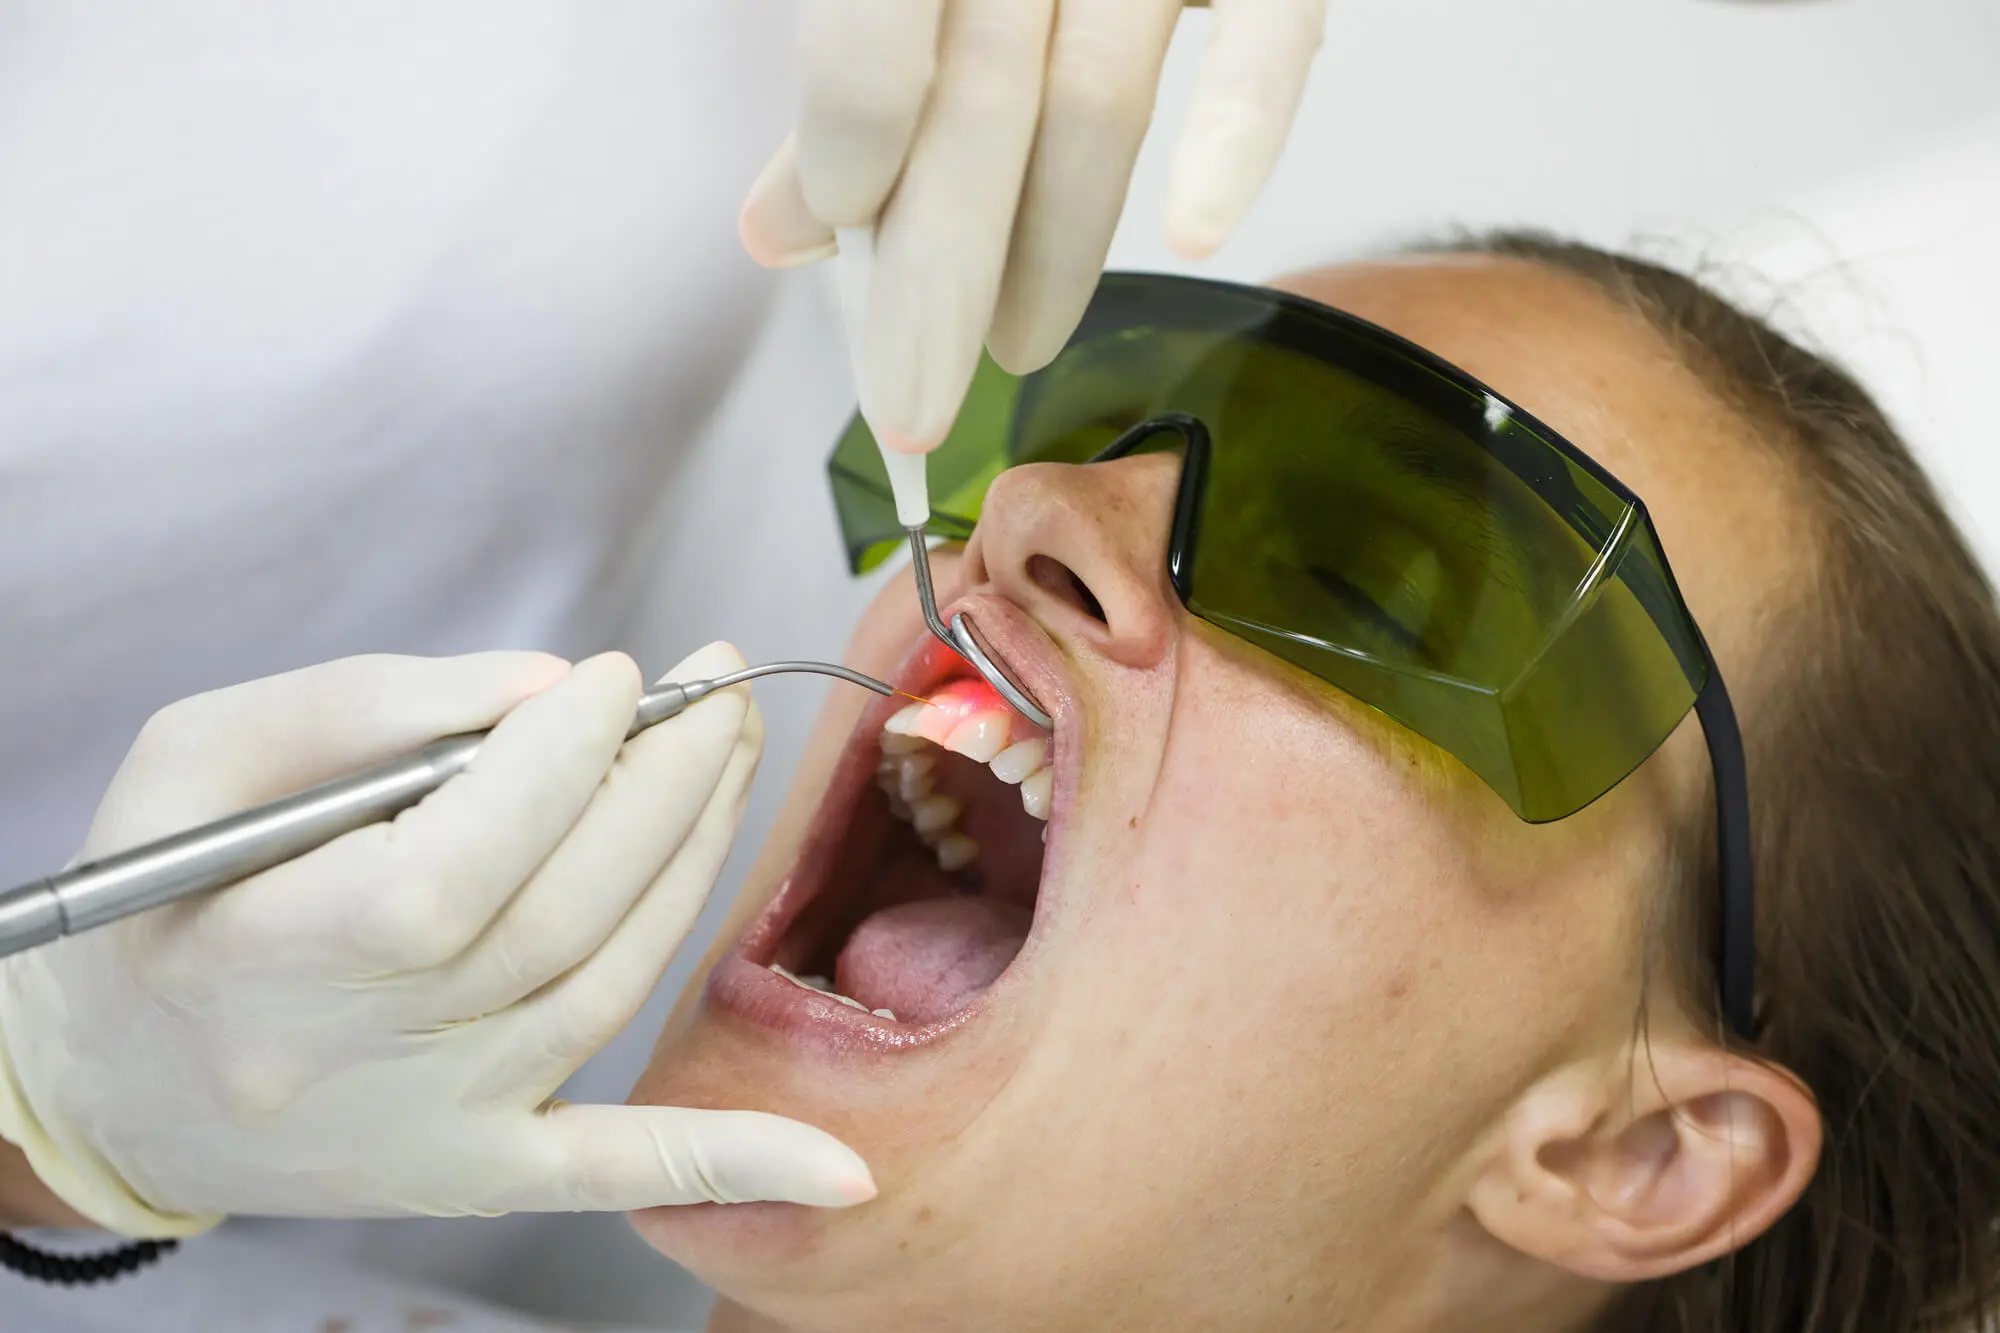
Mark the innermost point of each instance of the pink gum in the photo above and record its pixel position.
(959, 702)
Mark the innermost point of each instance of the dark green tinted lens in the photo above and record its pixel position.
(1381, 526)
(1115, 374)
(1393, 557)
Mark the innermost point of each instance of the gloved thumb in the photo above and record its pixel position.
(622, 1158)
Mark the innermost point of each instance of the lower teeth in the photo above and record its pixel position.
(821, 986)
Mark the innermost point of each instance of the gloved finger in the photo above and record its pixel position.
(657, 788)
(868, 69)
(217, 753)
(778, 229)
(567, 1023)
(1103, 73)
(621, 1158)
(1252, 76)
(410, 894)
(942, 242)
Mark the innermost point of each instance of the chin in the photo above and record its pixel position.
(890, 987)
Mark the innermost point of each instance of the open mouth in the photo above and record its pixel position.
(917, 887)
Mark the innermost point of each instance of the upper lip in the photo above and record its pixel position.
(1019, 647)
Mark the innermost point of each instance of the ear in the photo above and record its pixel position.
(1657, 1166)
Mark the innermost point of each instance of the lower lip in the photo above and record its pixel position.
(767, 1230)
(756, 995)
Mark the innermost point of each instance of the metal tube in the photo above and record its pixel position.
(1017, 698)
(244, 844)
(920, 565)
(220, 853)
(958, 637)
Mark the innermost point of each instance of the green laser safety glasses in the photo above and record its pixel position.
(1376, 517)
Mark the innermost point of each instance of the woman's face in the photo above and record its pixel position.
(1229, 1051)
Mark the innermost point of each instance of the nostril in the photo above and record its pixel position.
(1056, 577)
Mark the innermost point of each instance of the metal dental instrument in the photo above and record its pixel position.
(958, 637)
(909, 483)
(214, 855)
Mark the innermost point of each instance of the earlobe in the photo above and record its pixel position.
(1697, 1155)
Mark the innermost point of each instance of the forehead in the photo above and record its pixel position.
(1729, 511)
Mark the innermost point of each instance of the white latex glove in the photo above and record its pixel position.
(992, 142)
(378, 1027)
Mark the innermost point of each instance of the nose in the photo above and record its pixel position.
(1083, 549)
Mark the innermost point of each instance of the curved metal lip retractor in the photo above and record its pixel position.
(958, 637)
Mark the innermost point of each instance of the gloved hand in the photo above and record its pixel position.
(992, 142)
(377, 1028)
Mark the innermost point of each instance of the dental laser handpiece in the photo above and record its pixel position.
(216, 855)
(909, 484)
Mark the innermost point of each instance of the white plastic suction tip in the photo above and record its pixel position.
(910, 484)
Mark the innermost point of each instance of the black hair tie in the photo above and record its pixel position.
(80, 1270)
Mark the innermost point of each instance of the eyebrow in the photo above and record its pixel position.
(1363, 607)
(1491, 499)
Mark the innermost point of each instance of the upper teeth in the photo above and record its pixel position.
(1017, 761)
(980, 737)
(935, 814)
(1016, 751)
(1037, 790)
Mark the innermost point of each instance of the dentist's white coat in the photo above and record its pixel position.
(344, 326)
(341, 326)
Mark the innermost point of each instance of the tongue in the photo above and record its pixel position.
(926, 960)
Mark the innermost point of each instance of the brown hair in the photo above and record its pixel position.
(1875, 798)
